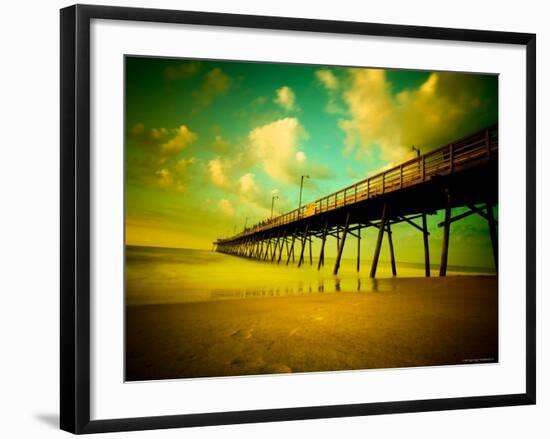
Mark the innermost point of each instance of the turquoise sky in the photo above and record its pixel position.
(209, 143)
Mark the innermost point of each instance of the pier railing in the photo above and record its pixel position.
(469, 151)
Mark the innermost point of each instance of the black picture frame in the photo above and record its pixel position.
(75, 217)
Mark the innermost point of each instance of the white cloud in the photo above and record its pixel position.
(165, 178)
(275, 146)
(247, 184)
(393, 123)
(160, 163)
(286, 98)
(216, 83)
(217, 172)
(226, 207)
(332, 85)
(182, 165)
(182, 139)
(327, 79)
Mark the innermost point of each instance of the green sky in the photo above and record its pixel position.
(208, 143)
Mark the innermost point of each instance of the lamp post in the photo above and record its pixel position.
(301, 187)
(273, 198)
(414, 148)
(245, 221)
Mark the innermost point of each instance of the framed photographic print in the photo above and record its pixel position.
(269, 218)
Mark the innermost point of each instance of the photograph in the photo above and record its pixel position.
(293, 218)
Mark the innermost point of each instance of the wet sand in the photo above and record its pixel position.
(403, 323)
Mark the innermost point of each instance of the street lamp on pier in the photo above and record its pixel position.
(301, 188)
(273, 198)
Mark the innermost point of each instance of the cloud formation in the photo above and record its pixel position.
(285, 98)
(216, 83)
(226, 207)
(276, 146)
(426, 116)
(182, 139)
(163, 142)
(247, 184)
(327, 79)
(218, 172)
(331, 84)
(148, 136)
(159, 164)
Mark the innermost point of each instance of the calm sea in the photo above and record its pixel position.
(166, 275)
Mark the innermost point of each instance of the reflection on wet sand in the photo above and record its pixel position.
(157, 275)
(194, 314)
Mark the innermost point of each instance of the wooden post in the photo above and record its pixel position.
(322, 252)
(310, 251)
(358, 249)
(283, 242)
(267, 249)
(379, 241)
(304, 239)
(493, 233)
(392, 255)
(426, 244)
(341, 247)
(276, 247)
(446, 232)
(291, 251)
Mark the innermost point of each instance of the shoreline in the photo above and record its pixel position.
(407, 322)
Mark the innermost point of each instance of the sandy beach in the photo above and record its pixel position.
(403, 322)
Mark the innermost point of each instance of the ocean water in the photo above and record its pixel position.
(165, 275)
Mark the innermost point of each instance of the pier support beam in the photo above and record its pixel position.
(358, 249)
(392, 255)
(291, 250)
(304, 239)
(267, 249)
(341, 246)
(381, 229)
(283, 242)
(276, 247)
(446, 232)
(425, 235)
(322, 252)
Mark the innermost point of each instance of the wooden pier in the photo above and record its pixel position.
(463, 173)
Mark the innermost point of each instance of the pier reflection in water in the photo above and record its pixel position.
(163, 275)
